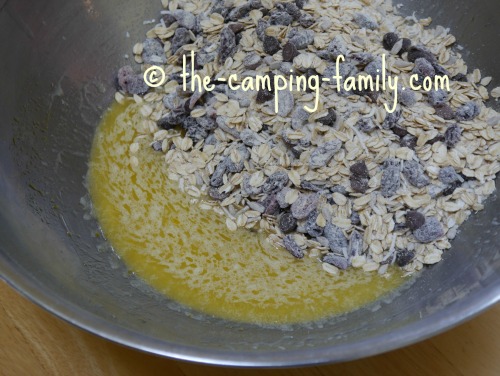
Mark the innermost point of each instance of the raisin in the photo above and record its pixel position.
(227, 44)
(423, 69)
(452, 135)
(374, 68)
(308, 186)
(362, 58)
(339, 189)
(130, 82)
(391, 119)
(329, 119)
(467, 111)
(168, 19)
(252, 61)
(408, 141)
(153, 52)
(185, 19)
(355, 218)
(448, 175)
(366, 125)
(244, 156)
(355, 244)
(431, 230)
(404, 257)
(275, 182)
(217, 178)
(206, 123)
(281, 197)
(440, 71)
(271, 205)
(280, 18)
(302, 39)
(300, 3)
(181, 37)
(335, 260)
(292, 247)
(389, 40)
(437, 97)
(445, 111)
(287, 223)
(286, 103)
(311, 227)
(291, 8)
(196, 133)
(216, 194)
(407, 97)
(271, 45)
(365, 21)
(414, 173)
(415, 53)
(336, 239)
(306, 20)
(324, 153)
(414, 220)
(304, 205)
(337, 47)
(299, 117)
(260, 30)
(239, 12)
(249, 138)
(247, 189)
(391, 178)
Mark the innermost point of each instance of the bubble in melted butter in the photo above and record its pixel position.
(189, 254)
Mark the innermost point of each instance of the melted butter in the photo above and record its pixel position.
(189, 255)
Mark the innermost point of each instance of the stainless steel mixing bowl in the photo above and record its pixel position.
(57, 67)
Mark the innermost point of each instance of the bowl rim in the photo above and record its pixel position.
(437, 322)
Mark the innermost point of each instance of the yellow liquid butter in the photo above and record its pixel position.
(189, 254)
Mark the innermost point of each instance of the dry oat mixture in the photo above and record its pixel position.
(349, 184)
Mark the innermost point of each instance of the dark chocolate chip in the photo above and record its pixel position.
(271, 45)
(445, 112)
(336, 260)
(460, 77)
(452, 135)
(292, 247)
(399, 131)
(329, 119)
(415, 53)
(389, 40)
(404, 257)
(287, 223)
(405, 46)
(414, 219)
(408, 141)
(289, 52)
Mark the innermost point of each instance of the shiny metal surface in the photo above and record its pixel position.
(56, 75)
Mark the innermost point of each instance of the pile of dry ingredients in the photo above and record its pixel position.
(349, 184)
